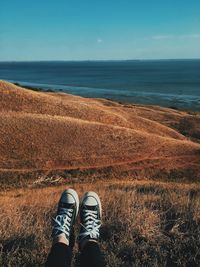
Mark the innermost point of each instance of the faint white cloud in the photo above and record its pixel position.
(181, 36)
(189, 36)
(161, 37)
(99, 40)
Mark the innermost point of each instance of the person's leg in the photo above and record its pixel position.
(60, 255)
(62, 233)
(90, 221)
(91, 255)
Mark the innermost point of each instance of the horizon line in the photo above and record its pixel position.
(95, 60)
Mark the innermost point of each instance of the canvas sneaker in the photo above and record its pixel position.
(66, 214)
(90, 217)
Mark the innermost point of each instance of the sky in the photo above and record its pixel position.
(99, 29)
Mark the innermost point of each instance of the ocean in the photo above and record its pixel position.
(169, 83)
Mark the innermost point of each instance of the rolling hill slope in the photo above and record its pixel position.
(54, 131)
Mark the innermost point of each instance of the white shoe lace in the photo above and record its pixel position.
(62, 222)
(91, 224)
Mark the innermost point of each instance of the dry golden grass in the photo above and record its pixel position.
(63, 140)
(50, 132)
(145, 223)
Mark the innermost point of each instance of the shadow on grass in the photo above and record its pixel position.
(18, 252)
(18, 242)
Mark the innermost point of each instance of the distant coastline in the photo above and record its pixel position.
(40, 89)
(168, 83)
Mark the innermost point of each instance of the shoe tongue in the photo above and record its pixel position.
(89, 207)
(66, 205)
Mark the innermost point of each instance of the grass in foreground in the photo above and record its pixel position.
(144, 223)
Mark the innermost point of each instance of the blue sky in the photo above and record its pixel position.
(103, 29)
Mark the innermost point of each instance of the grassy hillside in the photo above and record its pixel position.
(49, 133)
(143, 161)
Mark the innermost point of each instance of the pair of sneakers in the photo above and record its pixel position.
(90, 216)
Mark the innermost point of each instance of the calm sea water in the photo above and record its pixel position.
(171, 83)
